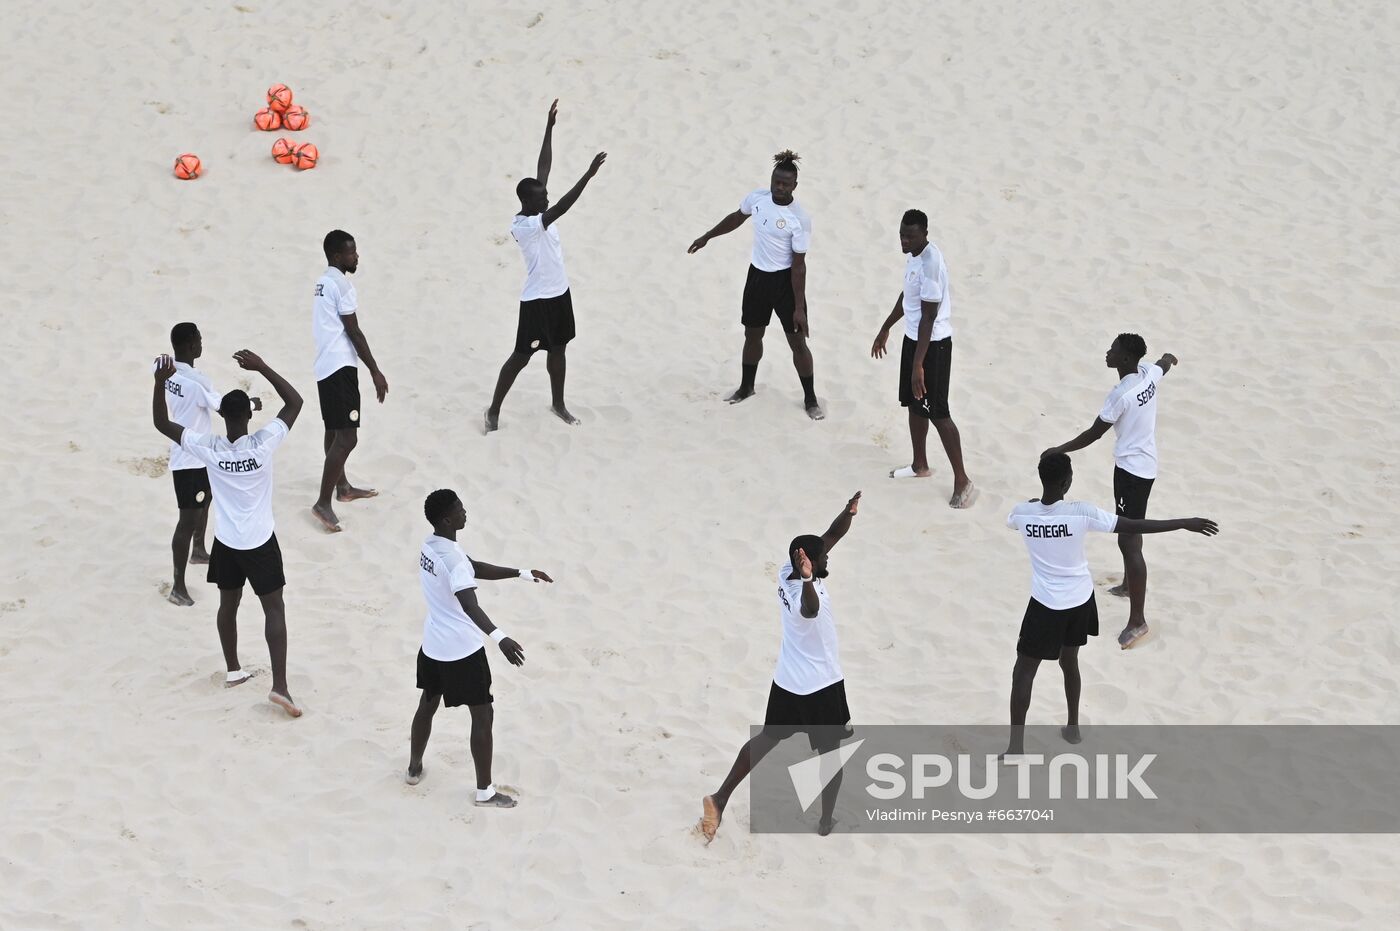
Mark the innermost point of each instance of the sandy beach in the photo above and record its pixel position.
(1218, 178)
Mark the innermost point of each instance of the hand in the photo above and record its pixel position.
(553, 113)
(257, 403)
(598, 161)
(1201, 525)
(1050, 452)
(513, 651)
(877, 351)
(804, 565)
(1171, 358)
(916, 382)
(165, 367)
(540, 576)
(250, 360)
(697, 245)
(799, 322)
(853, 505)
(381, 385)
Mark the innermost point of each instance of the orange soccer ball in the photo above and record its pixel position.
(296, 118)
(279, 97)
(283, 151)
(305, 156)
(187, 167)
(267, 120)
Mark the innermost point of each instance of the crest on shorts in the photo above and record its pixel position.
(354, 416)
(782, 224)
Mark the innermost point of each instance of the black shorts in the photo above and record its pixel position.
(1130, 494)
(261, 567)
(465, 681)
(340, 398)
(1044, 630)
(938, 364)
(191, 488)
(766, 294)
(547, 323)
(823, 715)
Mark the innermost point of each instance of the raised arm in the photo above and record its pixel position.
(728, 225)
(877, 351)
(1194, 524)
(1096, 429)
(357, 338)
(160, 414)
(1166, 362)
(467, 599)
(291, 401)
(567, 201)
(547, 147)
(842, 523)
(484, 570)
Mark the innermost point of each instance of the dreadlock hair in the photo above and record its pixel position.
(786, 160)
(437, 504)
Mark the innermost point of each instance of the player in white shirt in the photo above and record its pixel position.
(546, 319)
(190, 397)
(777, 281)
(452, 664)
(335, 322)
(1061, 615)
(925, 361)
(245, 541)
(808, 692)
(1131, 409)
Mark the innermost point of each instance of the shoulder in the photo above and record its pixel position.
(522, 222)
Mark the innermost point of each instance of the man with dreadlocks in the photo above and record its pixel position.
(777, 281)
(452, 665)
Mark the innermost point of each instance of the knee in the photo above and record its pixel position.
(347, 439)
(1130, 544)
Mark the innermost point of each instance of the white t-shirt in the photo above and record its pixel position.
(335, 298)
(444, 570)
(1054, 536)
(778, 232)
(190, 399)
(240, 476)
(809, 658)
(1132, 409)
(926, 279)
(544, 257)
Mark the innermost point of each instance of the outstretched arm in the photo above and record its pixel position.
(484, 570)
(567, 201)
(728, 225)
(361, 344)
(291, 401)
(1194, 524)
(842, 523)
(160, 415)
(1166, 362)
(547, 147)
(1096, 429)
(467, 598)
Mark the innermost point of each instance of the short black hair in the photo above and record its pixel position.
(183, 334)
(915, 218)
(437, 504)
(786, 160)
(236, 405)
(335, 243)
(1133, 345)
(524, 187)
(810, 544)
(1055, 468)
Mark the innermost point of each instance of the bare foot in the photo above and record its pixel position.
(285, 703)
(355, 494)
(563, 414)
(910, 472)
(1070, 732)
(1121, 590)
(327, 518)
(824, 826)
(492, 421)
(178, 596)
(199, 558)
(1132, 635)
(963, 497)
(814, 410)
(709, 820)
(413, 778)
(740, 394)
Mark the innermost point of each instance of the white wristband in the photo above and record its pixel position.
(525, 574)
(808, 578)
(498, 635)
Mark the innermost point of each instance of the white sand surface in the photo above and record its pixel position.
(1218, 177)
